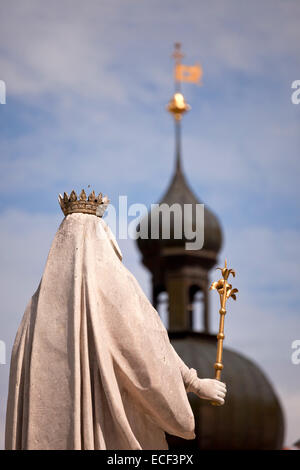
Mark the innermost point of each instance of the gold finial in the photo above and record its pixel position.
(225, 291)
(177, 105)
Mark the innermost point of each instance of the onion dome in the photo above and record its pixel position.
(251, 417)
(180, 193)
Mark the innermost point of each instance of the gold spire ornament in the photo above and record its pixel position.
(178, 106)
(225, 291)
(185, 73)
(189, 73)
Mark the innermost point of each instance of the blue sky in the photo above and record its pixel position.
(87, 84)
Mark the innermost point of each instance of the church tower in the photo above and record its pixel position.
(251, 417)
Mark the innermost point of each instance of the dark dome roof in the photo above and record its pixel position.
(179, 192)
(251, 417)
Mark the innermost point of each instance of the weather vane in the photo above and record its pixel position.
(182, 73)
(225, 291)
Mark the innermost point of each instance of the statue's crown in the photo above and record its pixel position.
(95, 205)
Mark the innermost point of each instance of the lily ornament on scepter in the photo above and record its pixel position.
(225, 291)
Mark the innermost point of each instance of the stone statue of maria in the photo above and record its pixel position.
(92, 366)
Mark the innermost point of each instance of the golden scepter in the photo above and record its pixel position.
(225, 291)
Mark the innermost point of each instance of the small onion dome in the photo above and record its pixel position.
(251, 417)
(179, 192)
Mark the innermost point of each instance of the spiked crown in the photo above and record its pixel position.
(95, 205)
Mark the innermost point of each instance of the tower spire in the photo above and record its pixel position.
(177, 106)
(177, 56)
(181, 276)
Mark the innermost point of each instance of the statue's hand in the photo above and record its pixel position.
(210, 389)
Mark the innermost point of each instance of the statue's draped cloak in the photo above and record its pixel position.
(92, 366)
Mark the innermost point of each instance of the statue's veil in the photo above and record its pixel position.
(92, 366)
